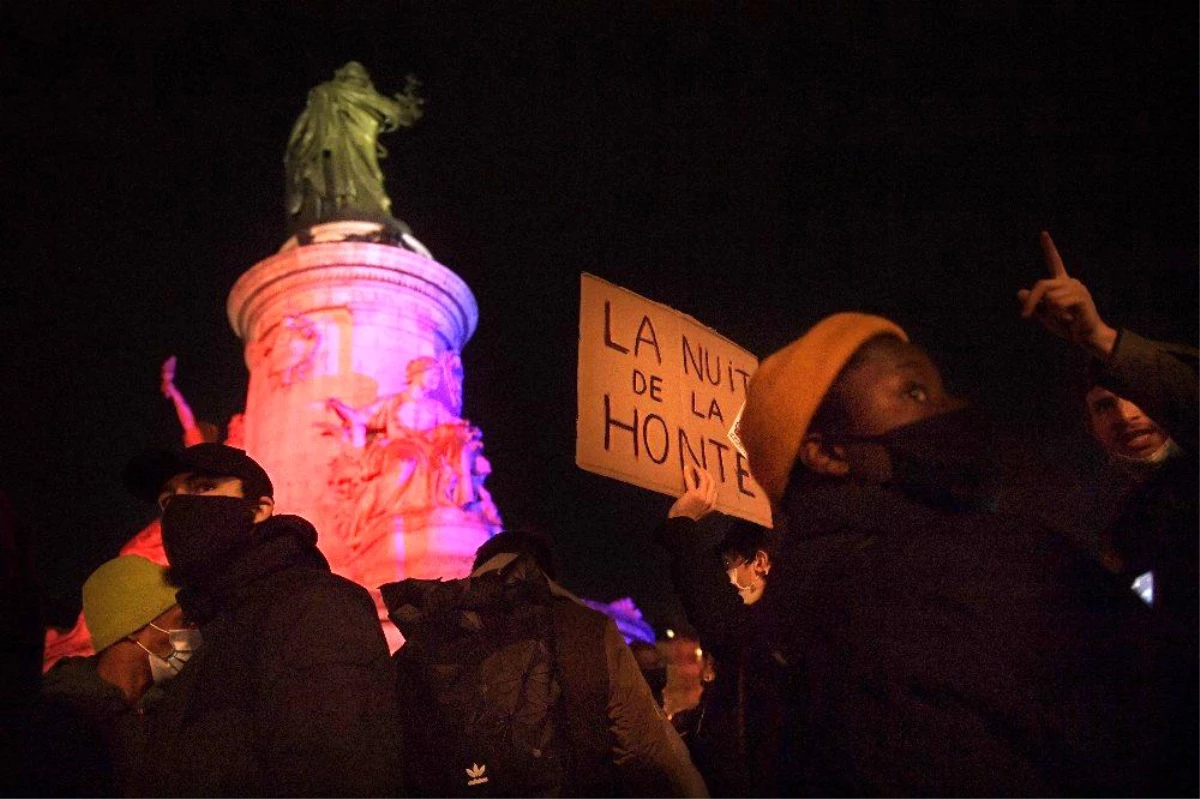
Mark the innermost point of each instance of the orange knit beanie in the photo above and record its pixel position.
(789, 387)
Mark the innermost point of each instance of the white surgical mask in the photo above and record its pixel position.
(184, 642)
(732, 575)
(1142, 469)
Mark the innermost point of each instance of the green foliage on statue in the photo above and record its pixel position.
(332, 159)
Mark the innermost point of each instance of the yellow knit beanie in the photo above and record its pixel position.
(123, 596)
(789, 387)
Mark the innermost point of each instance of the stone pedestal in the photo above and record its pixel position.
(343, 320)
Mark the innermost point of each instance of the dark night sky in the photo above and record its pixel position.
(753, 164)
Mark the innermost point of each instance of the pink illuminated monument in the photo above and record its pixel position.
(355, 404)
(352, 337)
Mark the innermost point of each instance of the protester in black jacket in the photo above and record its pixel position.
(1143, 408)
(485, 660)
(737, 734)
(292, 692)
(935, 647)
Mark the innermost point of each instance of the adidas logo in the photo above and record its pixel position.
(476, 774)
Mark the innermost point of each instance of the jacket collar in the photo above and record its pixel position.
(77, 678)
(818, 508)
(280, 543)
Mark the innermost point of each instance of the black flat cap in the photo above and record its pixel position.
(146, 473)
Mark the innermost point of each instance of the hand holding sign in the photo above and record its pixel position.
(700, 496)
(1065, 307)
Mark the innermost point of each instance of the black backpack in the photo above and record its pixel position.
(479, 692)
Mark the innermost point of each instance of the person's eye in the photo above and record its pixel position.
(202, 486)
(917, 393)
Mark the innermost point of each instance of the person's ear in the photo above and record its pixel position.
(762, 563)
(266, 506)
(821, 457)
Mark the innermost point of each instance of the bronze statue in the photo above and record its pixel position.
(332, 160)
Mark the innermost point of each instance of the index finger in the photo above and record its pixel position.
(1050, 253)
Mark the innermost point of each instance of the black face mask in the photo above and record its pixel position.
(201, 532)
(945, 460)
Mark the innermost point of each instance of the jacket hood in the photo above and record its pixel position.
(420, 606)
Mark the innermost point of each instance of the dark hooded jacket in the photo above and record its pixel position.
(944, 652)
(292, 692)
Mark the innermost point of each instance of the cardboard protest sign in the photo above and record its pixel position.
(658, 390)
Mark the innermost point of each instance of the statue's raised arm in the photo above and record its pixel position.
(332, 161)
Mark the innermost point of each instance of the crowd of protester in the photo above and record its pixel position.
(895, 633)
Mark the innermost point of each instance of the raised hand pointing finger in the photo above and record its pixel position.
(1065, 307)
(1053, 259)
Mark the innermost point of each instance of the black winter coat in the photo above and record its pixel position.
(741, 731)
(1158, 528)
(945, 653)
(291, 693)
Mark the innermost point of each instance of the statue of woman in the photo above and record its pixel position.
(413, 410)
(407, 441)
(332, 160)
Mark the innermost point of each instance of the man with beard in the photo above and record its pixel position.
(292, 693)
(1143, 406)
(934, 646)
